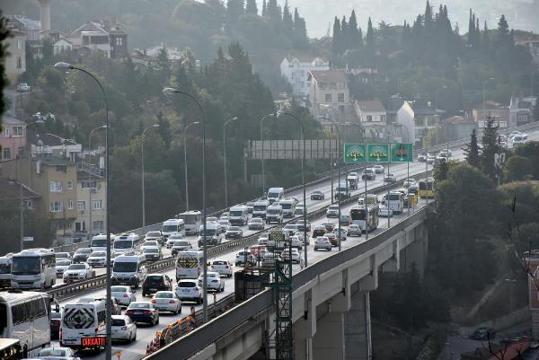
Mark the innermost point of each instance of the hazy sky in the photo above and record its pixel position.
(320, 13)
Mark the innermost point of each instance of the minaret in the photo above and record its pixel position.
(45, 16)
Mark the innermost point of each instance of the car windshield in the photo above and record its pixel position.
(118, 289)
(118, 322)
(120, 266)
(209, 232)
(274, 211)
(139, 306)
(22, 265)
(99, 243)
(187, 284)
(154, 280)
(394, 196)
(236, 213)
(63, 263)
(153, 234)
(259, 207)
(151, 250)
(286, 206)
(170, 228)
(83, 251)
(123, 244)
(98, 254)
(53, 352)
(234, 228)
(5, 268)
(150, 243)
(217, 262)
(164, 295)
(181, 243)
(76, 267)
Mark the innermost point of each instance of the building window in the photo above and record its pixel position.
(21, 152)
(98, 204)
(70, 204)
(88, 184)
(6, 153)
(7, 132)
(99, 226)
(70, 185)
(19, 62)
(19, 44)
(28, 204)
(17, 131)
(81, 205)
(56, 206)
(341, 97)
(383, 118)
(119, 41)
(328, 98)
(55, 186)
(369, 118)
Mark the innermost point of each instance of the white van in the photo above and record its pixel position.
(275, 194)
(274, 214)
(128, 270)
(99, 242)
(189, 264)
(123, 245)
(238, 215)
(171, 226)
(260, 207)
(214, 236)
(288, 206)
(82, 324)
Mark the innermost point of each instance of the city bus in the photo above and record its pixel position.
(365, 217)
(25, 316)
(426, 189)
(33, 269)
(189, 264)
(192, 221)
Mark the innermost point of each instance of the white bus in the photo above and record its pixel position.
(172, 226)
(192, 221)
(5, 271)
(365, 217)
(25, 316)
(83, 325)
(33, 269)
(189, 264)
(395, 202)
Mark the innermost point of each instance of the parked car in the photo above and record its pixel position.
(143, 312)
(213, 281)
(123, 329)
(378, 169)
(390, 178)
(223, 267)
(354, 230)
(322, 242)
(234, 232)
(23, 87)
(167, 301)
(77, 272)
(123, 295)
(81, 255)
(317, 195)
(180, 245)
(188, 290)
(256, 224)
(156, 282)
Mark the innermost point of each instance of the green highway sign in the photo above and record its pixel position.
(402, 153)
(377, 153)
(354, 153)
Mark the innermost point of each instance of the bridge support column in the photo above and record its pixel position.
(357, 328)
(416, 251)
(304, 330)
(328, 342)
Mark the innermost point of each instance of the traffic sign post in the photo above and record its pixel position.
(402, 153)
(354, 153)
(378, 153)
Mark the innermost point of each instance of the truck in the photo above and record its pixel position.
(288, 206)
(260, 207)
(353, 180)
(274, 214)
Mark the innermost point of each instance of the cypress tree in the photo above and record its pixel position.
(300, 31)
(336, 45)
(234, 10)
(490, 149)
(344, 34)
(273, 11)
(4, 34)
(251, 7)
(369, 40)
(472, 151)
(353, 34)
(486, 38)
(288, 22)
(264, 8)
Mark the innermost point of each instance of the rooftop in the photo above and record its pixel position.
(371, 106)
(48, 139)
(8, 120)
(335, 76)
(9, 190)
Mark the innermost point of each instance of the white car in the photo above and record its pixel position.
(97, 259)
(245, 256)
(234, 232)
(61, 266)
(322, 242)
(390, 178)
(223, 267)
(180, 245)
(123, 295)
(299, 210)
(167, 301)
(296, 257)
(213, 281)
(57, 353)
(152, 253)
(332, 211)
(150, 243)
(77, 272)
(409, 182)
(62, 255)
(224, 216)
(123, 329)
(297, 241)
(378, 169)
(385, 212)
(188, 290)
(225, 224)
(154, 235)
(263, 240)
(256, 224)
(354, 230)
(171, 238)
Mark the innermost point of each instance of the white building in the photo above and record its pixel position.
(405, 117)
(521, 110)
(329, 90)
(372, 116)
(296, 71)
(61, 45)
(15, 63)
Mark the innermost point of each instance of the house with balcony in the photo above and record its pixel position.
(491, 110)
(12, 138)
(329, 95)
(296, 71)
(521, 110)
(47, 144)
(104, 37)
(372, 116)
(91, 197)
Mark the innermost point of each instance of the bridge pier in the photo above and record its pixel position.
(328, 342)
(416, 251)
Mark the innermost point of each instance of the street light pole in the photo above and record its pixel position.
(185, 163)
(263, 154)
(66, 66)
(300, 123)
(90, 225)
(340, 161)
(224, 157)
(168, 91)
(142, 177)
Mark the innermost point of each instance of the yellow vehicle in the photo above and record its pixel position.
(426, 189)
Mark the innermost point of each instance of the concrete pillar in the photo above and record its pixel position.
(328, 342)
(304, 330)
(416, 252)
(357, 328)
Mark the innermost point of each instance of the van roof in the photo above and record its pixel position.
(238, 207)
(173, 221)
(127, 258)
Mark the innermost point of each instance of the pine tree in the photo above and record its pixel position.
(485, 41)
(251, 7)
(369, 40)
(300, 31)
(336, 45)
(472, 151)
(353, 33)
(503, 36)
(491, 147)
(288, 21)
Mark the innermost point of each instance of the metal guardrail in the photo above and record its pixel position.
(262, 303)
